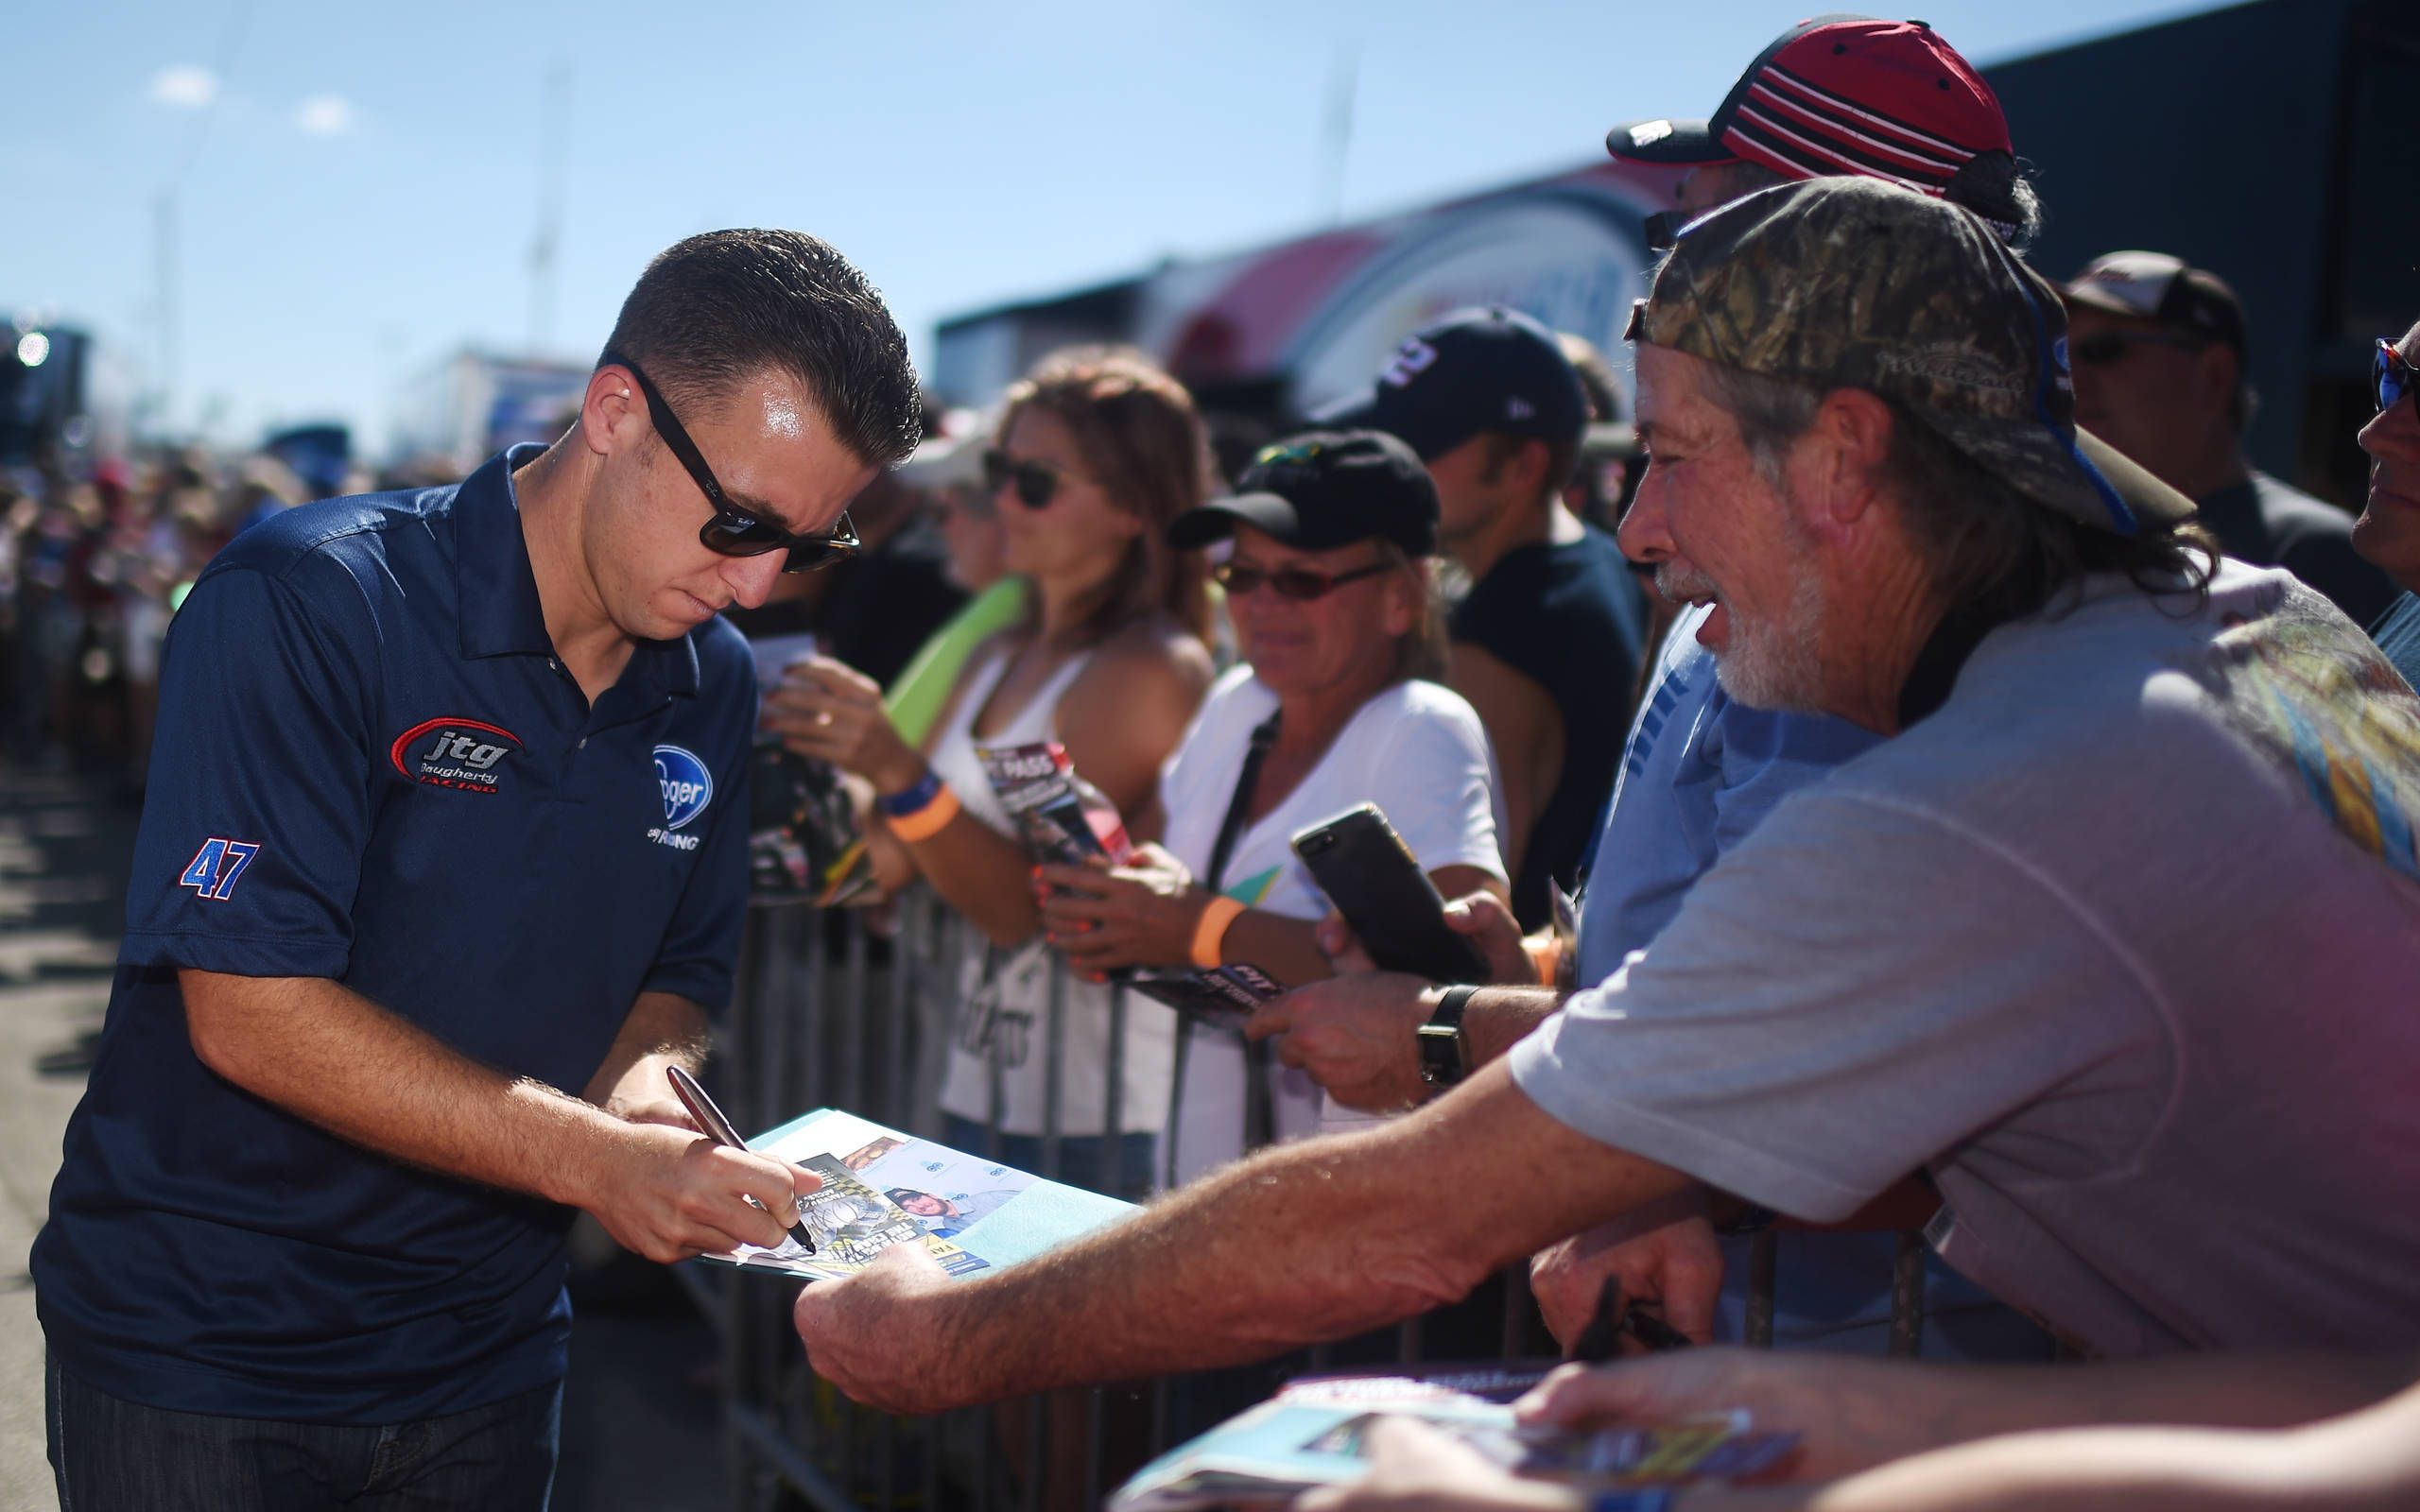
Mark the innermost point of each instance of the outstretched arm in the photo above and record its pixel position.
(1311, 1240)
(1854, 1414)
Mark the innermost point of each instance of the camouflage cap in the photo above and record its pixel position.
(1857, 283)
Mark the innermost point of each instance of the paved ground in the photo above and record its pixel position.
(639, 1421)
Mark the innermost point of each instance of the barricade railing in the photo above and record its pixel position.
(856, 1010)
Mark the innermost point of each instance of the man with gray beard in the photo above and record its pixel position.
(2073, 944)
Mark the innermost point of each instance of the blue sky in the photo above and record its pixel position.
(361, 197)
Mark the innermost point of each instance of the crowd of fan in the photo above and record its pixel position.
(1414, 616)
(92, 566)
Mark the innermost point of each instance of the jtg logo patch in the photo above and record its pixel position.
(456, 753)
(689, 787)
(212, 871)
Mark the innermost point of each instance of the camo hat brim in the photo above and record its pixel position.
(1857, 284)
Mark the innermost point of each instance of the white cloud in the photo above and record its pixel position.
(185, 85)
(324, 116)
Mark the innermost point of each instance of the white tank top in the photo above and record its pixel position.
(1003, 1010)
(954, 759)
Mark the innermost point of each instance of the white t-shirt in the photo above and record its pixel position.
(2122, 943)
(1417, 751)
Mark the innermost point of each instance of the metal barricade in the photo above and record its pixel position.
(855, 1011)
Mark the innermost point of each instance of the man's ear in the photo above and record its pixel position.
(611, 412)
(1837, 464)
(1532, 460)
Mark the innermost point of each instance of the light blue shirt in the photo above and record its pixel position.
(1698, 773)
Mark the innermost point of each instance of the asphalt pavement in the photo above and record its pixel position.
(640, 1418)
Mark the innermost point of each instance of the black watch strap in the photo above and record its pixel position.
(1444, 1050)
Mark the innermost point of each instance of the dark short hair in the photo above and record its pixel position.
(901, 1194)
(1995, 185)
(716, 309)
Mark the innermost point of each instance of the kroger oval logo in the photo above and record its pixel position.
(689, 787)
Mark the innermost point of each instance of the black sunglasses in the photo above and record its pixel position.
(735, 532)
(1300, 584)
(1037, 483)
(2109, 346)
(2391, 377)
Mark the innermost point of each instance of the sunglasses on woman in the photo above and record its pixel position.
(731, 532)
(1036, 483)
(1300, 584)
(2392, 378)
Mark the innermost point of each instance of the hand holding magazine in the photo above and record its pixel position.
(1314, 1432)
(1065, 820)
(883, 1187)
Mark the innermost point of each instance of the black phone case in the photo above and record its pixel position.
(1372, 878)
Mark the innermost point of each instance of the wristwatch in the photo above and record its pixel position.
(1444, 1052)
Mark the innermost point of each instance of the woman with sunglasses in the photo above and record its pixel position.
(2388, 532)
(1097, 451)
(1329, 593)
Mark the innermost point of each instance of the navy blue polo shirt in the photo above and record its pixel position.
(369, 767)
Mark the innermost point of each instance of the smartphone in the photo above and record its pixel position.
(1370, 875)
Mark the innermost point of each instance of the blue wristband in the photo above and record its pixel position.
(907, 801)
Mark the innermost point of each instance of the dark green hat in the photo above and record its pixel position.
(1857, 283)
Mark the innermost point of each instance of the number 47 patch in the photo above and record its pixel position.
(216, 865)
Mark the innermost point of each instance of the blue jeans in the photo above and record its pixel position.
(1089, 1161)
(110, 1455)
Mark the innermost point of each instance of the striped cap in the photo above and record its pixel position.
(1841, 95)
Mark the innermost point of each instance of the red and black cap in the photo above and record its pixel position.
(1841, 94)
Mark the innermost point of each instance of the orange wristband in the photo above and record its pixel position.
(1212, 930)
(929, 820)
(1544, 956)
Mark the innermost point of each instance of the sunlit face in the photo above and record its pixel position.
(1718, 533)
(969, 523)
(2159, 399)
(1345, 637)
(775, 457)
(1081, 534)
(2388, 532)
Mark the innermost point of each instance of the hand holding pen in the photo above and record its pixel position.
(719, 1129)
(1601, 1339)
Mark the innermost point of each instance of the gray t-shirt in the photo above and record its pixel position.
(2122, 944)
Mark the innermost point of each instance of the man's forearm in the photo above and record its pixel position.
(326, 1054)
(1897, 1408)
(1499, 1018)
(662, 1030)
(1309, 1242)
(2234, 1390)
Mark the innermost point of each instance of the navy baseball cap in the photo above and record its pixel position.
(1491, 371)
(1321, 489)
